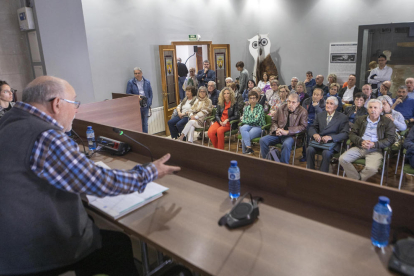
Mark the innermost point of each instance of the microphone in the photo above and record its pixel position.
(120, 132)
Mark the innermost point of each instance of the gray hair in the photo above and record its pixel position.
(137, 68)
(214, 83)
(43, 89)
(334, 99)
(375, 101)
(202, 88)
(295, 95)
(402, 87)
(294, 78)
(229, 79)
(407, 79)
(179, 59)
(206, 61)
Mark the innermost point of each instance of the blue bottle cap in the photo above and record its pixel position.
(384, 200)
(89, 127)
(233, 163)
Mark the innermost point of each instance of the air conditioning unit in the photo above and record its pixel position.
(26, 21)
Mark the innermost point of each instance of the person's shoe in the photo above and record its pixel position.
(334, 160)
(303, 159)
(200, 136)
(249, 151)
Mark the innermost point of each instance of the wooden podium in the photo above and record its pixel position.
(122, 112)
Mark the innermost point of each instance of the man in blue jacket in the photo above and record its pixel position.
(205, 75)
(142, 87)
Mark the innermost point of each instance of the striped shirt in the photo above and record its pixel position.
(56, 158)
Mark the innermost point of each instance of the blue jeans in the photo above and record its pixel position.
(144, 119)
(248, 133)
(181, 81)
(176, 125)
(271, 140)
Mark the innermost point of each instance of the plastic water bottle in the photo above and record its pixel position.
(380, 232)
(234, 180)
(90, 134)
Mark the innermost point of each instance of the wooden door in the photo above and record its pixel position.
(169, 79)
(220, 55)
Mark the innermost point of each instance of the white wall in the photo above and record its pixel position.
(65, 50)
(124, 34)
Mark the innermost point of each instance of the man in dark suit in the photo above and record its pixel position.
(329, 126)
(205, 75)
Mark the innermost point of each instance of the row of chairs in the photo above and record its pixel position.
(396, 148)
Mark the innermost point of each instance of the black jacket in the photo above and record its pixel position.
(233, 114)
(343, 90)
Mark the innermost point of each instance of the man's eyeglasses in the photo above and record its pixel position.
(76, 103)
(386, 87)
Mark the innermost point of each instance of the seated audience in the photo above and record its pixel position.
(263, 82)
(384, 89)
(250, 85)
(301, 91)
(229, 80)
(238, 96)
(191, 80)
(370, 134)
(267, 86)
(213, 93)
(293, 82)
(391, 114)
(333, 92)
(332, 78)
(356, 110)
(253, 120)
(6, 98)
(309, 81)
(278, 101)
(289, 120)
(319, 84)
(367, 90)
(272, 95)
(313, 106)
(199, 111)
(329, 126)
(409, 82)
(347, 94)
(409, 145)
(404, 104)
(177, 123)
(227, 111)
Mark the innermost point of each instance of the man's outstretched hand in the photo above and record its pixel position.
(165, 169)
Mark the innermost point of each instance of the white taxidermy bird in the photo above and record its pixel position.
(259, 48)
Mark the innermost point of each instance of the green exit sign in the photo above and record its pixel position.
(192, 37)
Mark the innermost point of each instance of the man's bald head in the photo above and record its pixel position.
(44, 88)
(319, 79)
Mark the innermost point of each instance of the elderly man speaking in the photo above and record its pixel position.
(370, 134)
(44, 226)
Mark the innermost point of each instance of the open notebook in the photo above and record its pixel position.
(120, 205)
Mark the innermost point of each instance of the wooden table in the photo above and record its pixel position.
(293, 238)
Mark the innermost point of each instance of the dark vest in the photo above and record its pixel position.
(41, 227)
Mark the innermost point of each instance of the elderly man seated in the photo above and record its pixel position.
(404, 104)
(329, 128)
(370, 134)
(290, 119)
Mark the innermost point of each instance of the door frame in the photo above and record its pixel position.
(208, 43)
(227, 48)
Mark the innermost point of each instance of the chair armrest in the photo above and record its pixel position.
(348, 142)
(234, 121)
(405, 151)
(266, 127)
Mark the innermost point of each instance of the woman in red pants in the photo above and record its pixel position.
(227, 111)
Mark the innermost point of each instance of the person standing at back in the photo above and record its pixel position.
(244, 76)
(205, 75)
(142, 87)
(380, 74)
(182, 75)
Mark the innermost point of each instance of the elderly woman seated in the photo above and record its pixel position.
(278, 100)
(227, 111)
(177, 123)
(356, 110)
(197, 115)
(6, 98)
(393, 115)
(253, 120)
